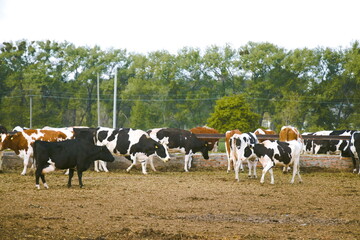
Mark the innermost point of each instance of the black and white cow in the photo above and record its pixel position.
(68, 154)
(330, 146)
(355, 150)
(239, 143)
(132, 143)
(271, 153)
(181, 140)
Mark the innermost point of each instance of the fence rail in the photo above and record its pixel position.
(276, 136)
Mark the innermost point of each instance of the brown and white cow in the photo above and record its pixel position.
(212, 142)
(22, 142)
(261, 131)
(228, 146)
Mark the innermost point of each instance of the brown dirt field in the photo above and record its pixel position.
(202, 204)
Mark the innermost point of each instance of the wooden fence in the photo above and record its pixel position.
(276, 136)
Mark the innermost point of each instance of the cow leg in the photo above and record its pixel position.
(37, 177)
(132, 164)
(96, 166)
(151, 161)
(187, 157)
(264, 171)
(71, 174)
(229, 164)
(236, 168)
(143, 166)
(39, 173)
(250, 168)
(26, 162)
(44, 181)
(190, 161)
(79, 173)
(271, 176)
(354, 163)
(102, 165)
(242, 166)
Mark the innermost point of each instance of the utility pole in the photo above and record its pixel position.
(31, 102)
(115, 92)
(98, 99)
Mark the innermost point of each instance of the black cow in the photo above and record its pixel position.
(181, 140)
(70, 154)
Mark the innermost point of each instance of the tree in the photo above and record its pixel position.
(233, 112)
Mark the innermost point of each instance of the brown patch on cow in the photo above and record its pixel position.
(289, 133)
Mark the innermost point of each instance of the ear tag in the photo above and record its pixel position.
(156, 146)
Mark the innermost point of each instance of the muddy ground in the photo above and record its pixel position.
(202, 204)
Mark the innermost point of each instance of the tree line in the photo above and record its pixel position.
(312, 89)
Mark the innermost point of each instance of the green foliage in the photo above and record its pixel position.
(308, 88)
(233, 112)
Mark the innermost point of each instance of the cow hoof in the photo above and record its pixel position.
(23, 174)
(46, 186)
(69, 186)
(37, 186)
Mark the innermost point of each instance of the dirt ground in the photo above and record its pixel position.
(202, 204)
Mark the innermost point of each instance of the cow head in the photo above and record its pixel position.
(243, 145)
(151, 147)
(105, 154)
(160, 150)
(205, 150)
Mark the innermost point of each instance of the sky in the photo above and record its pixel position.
(144, 26)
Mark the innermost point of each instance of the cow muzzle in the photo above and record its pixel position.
(166, 159)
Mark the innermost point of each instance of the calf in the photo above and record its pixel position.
(181, 140)
(241, 143)
(271, 153)
(21, 142)
(69, 154)
(228, 145)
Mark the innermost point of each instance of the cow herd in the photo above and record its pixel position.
(78, 147)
